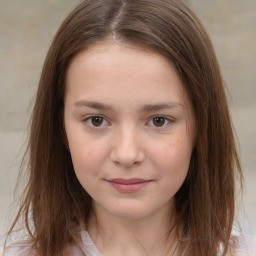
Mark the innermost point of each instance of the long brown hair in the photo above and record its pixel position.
(54, 200)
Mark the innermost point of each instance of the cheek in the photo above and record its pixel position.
(175, 150)
(173, 168)
(87, 161)
(87, 155)
(172, 158)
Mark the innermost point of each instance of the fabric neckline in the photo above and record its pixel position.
(89, 247)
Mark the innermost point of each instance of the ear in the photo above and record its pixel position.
(64, 137)
(65, 143)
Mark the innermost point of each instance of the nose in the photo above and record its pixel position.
(127, 147)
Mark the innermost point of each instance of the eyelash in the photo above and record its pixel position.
(89, 120)
(166, 120)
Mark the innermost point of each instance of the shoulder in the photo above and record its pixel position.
(25, 249)
(19, 249)
(246, 245)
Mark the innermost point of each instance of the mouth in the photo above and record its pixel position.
(128, 185)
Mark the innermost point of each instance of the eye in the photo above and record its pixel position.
(96, 121)
(159, 121)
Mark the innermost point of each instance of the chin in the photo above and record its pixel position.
(129, 212)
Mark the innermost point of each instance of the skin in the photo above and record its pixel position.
(127, 87)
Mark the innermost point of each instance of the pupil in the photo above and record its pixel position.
(97, 120)
(158, 121)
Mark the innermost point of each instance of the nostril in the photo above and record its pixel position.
(127, 156)
(127, 147)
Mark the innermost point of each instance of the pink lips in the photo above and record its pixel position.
(128, 185)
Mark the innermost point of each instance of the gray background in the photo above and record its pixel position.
(26, 30)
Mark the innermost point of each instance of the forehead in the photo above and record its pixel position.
(114, 69)
(114, 54)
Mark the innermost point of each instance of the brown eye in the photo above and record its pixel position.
(96, 121)
(158, 121)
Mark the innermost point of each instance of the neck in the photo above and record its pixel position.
(152, 235)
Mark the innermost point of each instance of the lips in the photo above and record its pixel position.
(128, 185)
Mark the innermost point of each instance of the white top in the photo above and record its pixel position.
(247, 247)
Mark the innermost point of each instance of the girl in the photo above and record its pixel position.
(131, 149)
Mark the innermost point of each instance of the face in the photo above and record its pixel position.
(130, 128)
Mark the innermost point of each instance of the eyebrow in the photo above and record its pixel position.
(92, 104)
(161, 106)
(144, 108)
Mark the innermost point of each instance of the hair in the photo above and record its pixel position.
(54, 200)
